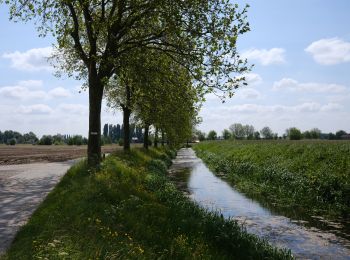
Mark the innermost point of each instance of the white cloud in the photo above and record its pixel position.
(59, 93)
(245, 92)
(253, 78)
(249, 93)
(327, 116)
(32, 84)
(73, 109)
(294, 85)
(34, 109)
(30, 89)
(255, 108)
(31, 60)
(265, 57)
(331, 107)
(307, 107)
(20, 92)
(330, 51)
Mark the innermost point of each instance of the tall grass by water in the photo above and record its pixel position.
(312, 175)
(128, 209)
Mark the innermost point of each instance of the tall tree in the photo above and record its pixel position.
(118, 133)
(266, 132)
(249, 131)
(238, 130)
(212, 135)
(105, 130)
(294, 133)
(226, 134)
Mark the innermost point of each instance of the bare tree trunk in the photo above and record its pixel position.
(126, 118)
(156, 137)
(95, 102)
(145, 137)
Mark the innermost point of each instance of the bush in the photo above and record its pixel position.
(121, 142)
(46, 140)
(77, 140)
(171, 153)
(294, 133)
(12, 141)
(157, 166)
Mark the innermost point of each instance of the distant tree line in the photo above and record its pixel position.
(10, 137)
(248, 132)
(14, 137)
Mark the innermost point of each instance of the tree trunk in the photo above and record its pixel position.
(145, 137)
(126, 123)
(163, 138)
(156, 137)
(95, 102)
(126, 118)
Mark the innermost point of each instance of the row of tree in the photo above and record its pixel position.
(13, 137)
(63, 139)
(115, 133)
(152, 59)
(248, 132)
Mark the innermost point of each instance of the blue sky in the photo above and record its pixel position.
(301, 52)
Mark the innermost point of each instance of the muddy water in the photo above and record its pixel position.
(211, 192)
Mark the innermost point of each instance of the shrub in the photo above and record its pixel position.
(294, 133)
(171, 153)
(157, 166)
(46, 140)
(12, 141)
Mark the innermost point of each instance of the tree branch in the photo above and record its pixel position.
(75, 35)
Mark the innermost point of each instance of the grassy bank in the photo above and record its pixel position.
(129, 210)
(311, 175)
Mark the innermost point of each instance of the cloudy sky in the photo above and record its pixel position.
(301, 77)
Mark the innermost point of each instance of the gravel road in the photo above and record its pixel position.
(22, 188)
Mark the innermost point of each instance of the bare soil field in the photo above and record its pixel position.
(20, 154)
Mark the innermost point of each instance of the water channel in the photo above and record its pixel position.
(213, 193)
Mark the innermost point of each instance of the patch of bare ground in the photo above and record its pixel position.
(20, 154)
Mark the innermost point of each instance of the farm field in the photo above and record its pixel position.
(308, 176)
(20, 154)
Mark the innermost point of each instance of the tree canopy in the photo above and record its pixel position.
(94, 37)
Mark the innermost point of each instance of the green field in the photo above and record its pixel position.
(128, 209)
(313, 176)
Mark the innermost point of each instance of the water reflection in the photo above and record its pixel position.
(192, 175)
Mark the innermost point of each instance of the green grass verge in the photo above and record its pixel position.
(312, 175)
(129, 210)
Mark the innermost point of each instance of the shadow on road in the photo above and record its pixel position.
(21, 194)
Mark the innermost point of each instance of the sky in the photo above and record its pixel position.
(301, 75)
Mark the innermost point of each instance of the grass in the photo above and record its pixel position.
(129, 210)
(312, 175)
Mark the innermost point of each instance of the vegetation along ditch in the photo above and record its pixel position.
(129, 209)
(301, 179)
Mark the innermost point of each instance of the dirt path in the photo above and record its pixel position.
(22, 188)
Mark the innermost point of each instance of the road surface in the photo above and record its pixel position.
(22, 188)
